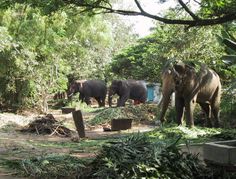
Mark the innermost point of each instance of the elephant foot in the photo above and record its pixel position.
(100, 104)
(216, 125)
(209, 124)
(191, 126)
(190, 123)
(158, 123)
(180, 123)
(162, 121)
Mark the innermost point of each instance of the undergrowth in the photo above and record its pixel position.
(155, 154)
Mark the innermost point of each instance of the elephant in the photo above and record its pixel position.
(191, 85)
(127, 89)
(89, 88)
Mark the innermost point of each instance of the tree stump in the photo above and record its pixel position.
(67, 110)
(121, 124)
(79, 123)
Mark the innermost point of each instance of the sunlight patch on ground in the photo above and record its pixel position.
(9, 118)
(194, 132)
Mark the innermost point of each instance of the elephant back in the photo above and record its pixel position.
(138, 90)
(95, 88)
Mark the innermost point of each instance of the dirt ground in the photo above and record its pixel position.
(17, 145)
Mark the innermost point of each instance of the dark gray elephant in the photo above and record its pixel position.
(191, 86)
(89, 88)
(127, 89)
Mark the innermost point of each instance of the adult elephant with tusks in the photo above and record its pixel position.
(127, 89)
(191, 85)
(89, 88)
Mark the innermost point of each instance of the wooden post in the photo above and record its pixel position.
(79, 123)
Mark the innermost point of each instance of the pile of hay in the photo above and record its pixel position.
(144, 112)
(47, 125)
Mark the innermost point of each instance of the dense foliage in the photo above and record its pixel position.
(137, 157)
(146, 59)
(38, 51)
(217, 8)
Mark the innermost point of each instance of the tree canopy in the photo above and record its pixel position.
(145, 59)
(211, 12)
(39, 51)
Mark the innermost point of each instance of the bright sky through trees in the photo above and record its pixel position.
(142, 25)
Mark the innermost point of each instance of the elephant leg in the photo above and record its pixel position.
(179, 107)
(81, 97)
(207, 109)
(215, 105)
(189, 106)
(122, 100)
(103, 101)
(87, 100)
(216, 114)
(100, 103)
(119, 103)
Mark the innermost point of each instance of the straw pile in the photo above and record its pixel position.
(47, 125)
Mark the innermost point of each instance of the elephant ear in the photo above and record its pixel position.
(119, 83)
(79, 86)
(123, 86)
(115, 86)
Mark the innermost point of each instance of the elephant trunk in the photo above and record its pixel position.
(167, 90)
(164, 105)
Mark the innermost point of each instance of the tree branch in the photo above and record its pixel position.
(231, 44)
(188, 10)
(139, 6)
(196, 21)
(104, 6)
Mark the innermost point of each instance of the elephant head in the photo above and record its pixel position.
(172, 79)
(167, 89)
(75, 87)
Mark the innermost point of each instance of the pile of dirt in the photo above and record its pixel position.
(47, 125)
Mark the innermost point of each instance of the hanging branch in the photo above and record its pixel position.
(195, 21)
(105, 6)
(188, 10)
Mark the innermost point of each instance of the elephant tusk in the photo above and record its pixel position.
(70, 94)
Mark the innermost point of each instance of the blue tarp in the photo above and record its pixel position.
(150, 92)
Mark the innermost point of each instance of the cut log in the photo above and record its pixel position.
(79, 123)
